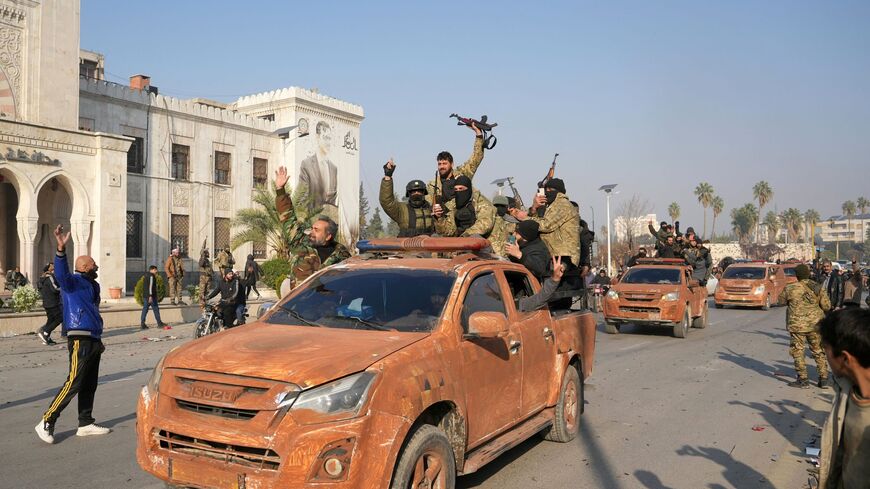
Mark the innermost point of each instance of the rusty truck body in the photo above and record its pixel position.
(657, 291)
(392, 369)
(750, 284)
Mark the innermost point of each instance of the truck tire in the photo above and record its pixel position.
(611, 328)
(766, 306)
(568, 408)
(426, 461)
(700, 322)
(681, 329)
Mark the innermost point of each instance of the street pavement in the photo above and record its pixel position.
(661, 413)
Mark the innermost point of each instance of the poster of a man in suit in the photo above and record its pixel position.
(319, 174)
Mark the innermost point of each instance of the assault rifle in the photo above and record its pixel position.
(489, 140)
(543, 183)
(436, 193)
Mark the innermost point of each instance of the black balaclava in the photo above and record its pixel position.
(417, 200)
(558, 187)
(501, 210)
(463, 197)
(528, 230)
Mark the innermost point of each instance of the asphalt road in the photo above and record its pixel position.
(660, 413)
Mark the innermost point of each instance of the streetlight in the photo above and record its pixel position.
(608, 189)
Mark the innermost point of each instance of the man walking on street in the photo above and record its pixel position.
(50, 292)
(807, 304)
(845, 457)
(175, 274)
(150, 298)
(84, 325)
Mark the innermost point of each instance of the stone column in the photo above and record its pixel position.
(27, 229)
(80, 232)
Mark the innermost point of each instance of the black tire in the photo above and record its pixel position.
(426, 440)
(611, 328)
(681, 329)
(566, 423)
(199, 328)
(700, 322)
(766, 306)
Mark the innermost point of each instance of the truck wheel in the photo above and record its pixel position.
(681, 329)
(766, 306)
(426, 461)
(567, 421)
(700, 322)
(611, 328)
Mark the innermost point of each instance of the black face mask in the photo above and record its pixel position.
(500, 210)
(462, 197)
(551, 196)
(417, 200)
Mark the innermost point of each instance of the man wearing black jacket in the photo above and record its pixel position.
(529, 250)
(832, 282)
(232, 299)
(150, 298)
(50, 292)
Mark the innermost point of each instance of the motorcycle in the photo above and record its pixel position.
(598, 292)
(212, 321)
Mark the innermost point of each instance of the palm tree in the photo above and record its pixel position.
(792, 219)
(849, 212)
(704, 191)
(811, 217)
(762, 192)
(674, 211)
(863, 204)
(743, 221)
(261, 224)
(771, 222)
(718, 206)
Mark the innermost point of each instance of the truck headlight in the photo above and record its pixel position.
(153, 384)
(671, 296)
(612, 294)
(339, 399)
(759, 290)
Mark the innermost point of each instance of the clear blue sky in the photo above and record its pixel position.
(654, 96)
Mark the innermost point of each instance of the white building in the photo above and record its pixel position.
(133, 173)
(639, 226)
(839, 228)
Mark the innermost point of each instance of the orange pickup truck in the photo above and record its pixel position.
(394, 369)
(755, 284)
(657, 291)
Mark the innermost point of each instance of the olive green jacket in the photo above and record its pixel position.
(807, 304)
(399, 212)
(483, 210)
(499, 236)
(560, 228)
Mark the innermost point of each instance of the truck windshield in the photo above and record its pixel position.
(744, 273)
(789, 271)
(665, 276)
(374, 298)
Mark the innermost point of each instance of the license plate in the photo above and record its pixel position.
(655, 315)
(202, 475)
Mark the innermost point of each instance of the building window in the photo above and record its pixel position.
(90, 69)
(180, 161)
(261, 172)
(180, 233)
(267, 117)
(86, 124)
(221, 233)
(259, 251)
(222, 168)
(134, 234)
(135, 156)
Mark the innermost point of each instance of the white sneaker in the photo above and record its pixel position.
(45, 434)
(92, 429)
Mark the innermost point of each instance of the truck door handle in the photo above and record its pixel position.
(547, 334)
(515, 346)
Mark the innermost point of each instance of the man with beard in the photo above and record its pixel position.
(633, 260)
(668, 248)
(698, 257)
(832, 284)
(529, 250)
(443, 185)
(232, 299)
(468, 213)
(84, 325)
(322, 249)
(414, 217)
(504, 226)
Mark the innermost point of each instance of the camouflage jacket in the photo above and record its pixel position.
(807, 304)
(306, 262)
(469, 168)
(500, 232)
(224, 260)
(560, 228)
(400, 212)
(483, 210)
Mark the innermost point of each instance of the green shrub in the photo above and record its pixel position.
(24, 298)
(274, 272)
(193, 292)
(139, 291)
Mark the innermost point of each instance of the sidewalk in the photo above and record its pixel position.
(119, 313)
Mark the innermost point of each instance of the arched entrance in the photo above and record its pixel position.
(9, 244)
(54, 205)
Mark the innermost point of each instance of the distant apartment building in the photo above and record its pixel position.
(639, 226)
(839, 228)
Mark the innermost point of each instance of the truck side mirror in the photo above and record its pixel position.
(487, 324)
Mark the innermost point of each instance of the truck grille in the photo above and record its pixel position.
(738, 290)
(639, 309)
(223, 412)
(260, 458)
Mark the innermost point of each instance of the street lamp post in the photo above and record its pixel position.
(608, 189)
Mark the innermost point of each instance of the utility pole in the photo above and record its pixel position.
(608, 189)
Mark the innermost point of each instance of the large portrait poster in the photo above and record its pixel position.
(327, 165)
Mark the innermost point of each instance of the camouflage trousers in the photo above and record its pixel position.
(204, 284)
(797, 349)
(174, 290)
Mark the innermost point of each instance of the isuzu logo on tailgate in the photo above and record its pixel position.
(214, 393)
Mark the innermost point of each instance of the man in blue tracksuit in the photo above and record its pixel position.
(84, 325)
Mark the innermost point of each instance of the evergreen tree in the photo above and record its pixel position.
(363, 212)
(375, 229)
